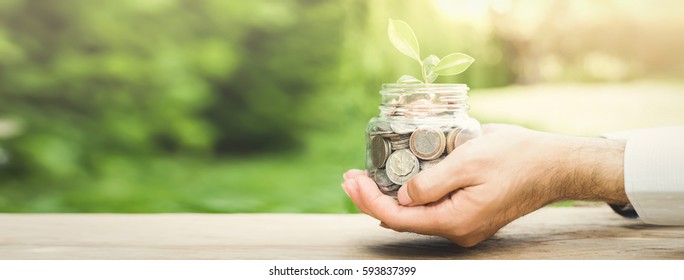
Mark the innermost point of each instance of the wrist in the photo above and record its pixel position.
(595, 171)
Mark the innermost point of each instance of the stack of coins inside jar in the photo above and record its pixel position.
(414, 132)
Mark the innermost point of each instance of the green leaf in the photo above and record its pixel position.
(408, 79)
(429, 64)
(403, 38)
(454, 64)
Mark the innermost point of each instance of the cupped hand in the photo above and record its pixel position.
(492, 180)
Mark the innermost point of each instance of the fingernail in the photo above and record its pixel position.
(404, 198)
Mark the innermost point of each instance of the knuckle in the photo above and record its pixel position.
(419, 189)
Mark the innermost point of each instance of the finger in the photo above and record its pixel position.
(352, 173)
(420, 219)
(351, 188)
(432, 184)
(372, 198)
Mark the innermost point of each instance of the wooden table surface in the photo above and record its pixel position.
(550, 233)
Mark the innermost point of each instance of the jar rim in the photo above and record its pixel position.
(424, 86)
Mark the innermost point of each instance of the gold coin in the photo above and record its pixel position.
(451, 139)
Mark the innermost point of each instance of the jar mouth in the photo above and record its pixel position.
(392, 91)
(423, 99)
(425, 86)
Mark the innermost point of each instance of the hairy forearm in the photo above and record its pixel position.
(594, 171)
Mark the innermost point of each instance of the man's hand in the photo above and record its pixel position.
(494, 179)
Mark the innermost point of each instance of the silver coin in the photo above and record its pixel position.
(399, 137)
(380, 149)
(383, 126)
(389, 135)
(384, 133)
(402, 128)
(390, 191)
(401, 166)
(427, 143)
(393, 187)
(400, 146)
(400, 142)
(384, 190)
(381, 179)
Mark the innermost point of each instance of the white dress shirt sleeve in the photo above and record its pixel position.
(654, 173)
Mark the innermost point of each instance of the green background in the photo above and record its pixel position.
(260, 106)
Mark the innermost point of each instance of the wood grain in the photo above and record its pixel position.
(550, 233)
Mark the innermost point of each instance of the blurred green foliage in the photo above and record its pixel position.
(201, 105)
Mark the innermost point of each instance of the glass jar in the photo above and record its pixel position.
(418, 126)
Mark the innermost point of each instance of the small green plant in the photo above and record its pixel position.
(402, 37)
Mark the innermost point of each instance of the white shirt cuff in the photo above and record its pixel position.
(654, 173)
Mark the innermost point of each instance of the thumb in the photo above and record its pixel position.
(432, 184)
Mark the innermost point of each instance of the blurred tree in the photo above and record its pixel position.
(143, 77)
(104, 94)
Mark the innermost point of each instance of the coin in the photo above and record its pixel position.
(390, 190)
(390, 134)
(380, 149)
(400, 146)
(451, 139)
(399, 141)
(384, 133)
(402, 128)
(383, 126)
(401, 166)
(397, 136)
(427, 143)
(394, 187)
(418, 108)
(380, 178)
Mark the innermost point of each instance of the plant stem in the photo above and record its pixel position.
(422, 70)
